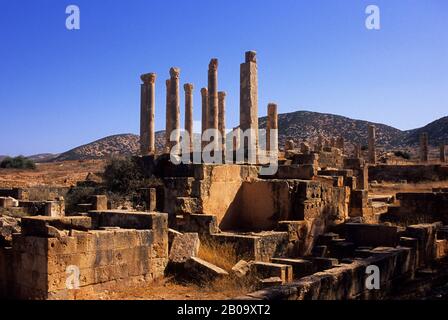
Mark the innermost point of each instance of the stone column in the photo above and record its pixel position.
(249, 96)
(371, 142)
(222, 118)
(204, 94)
(236, 139)
(147, 105)
(424, 147)
(272, 124)
(174, 104)
(188, 87)
(213, 101)
(357, 150)
(168, 117)
(320, 143)
(442, 153)
(340, 142)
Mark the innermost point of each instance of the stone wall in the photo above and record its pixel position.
(129, 248)
(410, 173)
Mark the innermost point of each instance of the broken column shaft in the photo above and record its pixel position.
(249, 98)
(442, 153)
(272, 124)
(371, 144)
(424, 147)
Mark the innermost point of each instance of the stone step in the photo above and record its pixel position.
(321, 264)
(319, 251)
(265, 270)
(300, 267)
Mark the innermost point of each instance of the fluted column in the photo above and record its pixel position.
(168, 117)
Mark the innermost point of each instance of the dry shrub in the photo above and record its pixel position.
(222, 255)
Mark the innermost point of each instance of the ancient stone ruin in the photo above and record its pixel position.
(308, 231)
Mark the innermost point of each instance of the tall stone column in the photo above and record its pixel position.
(372, 146)
(147, 105)
(213, 100)
(222, 118)
(188, 87)
(272, 124)
(442, 153)
(249, 96)
(168, 117)
(236, 139)
(174, 105)
(204, 95)
(424, 147)
(357, 150)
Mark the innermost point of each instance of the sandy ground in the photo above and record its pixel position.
(65, 173)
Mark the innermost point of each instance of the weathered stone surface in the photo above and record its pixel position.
(371, 144)
(147, 135)
(268, 269)
(188, 87)
(184, 246)
(203, 271)
(99, 202)
(374, 235)
(424, 144)
(240, 269)
(249, 97)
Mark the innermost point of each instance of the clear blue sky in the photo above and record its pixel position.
(60, 88)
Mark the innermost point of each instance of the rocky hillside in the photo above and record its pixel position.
(437, 131)
(306, 125)
(120, 144)
(300, 125)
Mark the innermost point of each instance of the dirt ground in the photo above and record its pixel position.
(61, 174)
(168, 289)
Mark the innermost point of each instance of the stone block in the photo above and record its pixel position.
(264, 270)
(99, 202)
(240, 269)
(373, 235)
(203, 271)
(300, 267)
(184, 246)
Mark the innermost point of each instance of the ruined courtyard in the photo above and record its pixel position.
(308, 231)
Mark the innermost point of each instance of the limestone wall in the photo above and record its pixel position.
(108, 258)
(410, 173)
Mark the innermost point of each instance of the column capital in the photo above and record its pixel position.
(148, 78)
(222, 95)
(213, 65)
(251, 56)
(188, 87)
(204, 91)
(174, 72)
